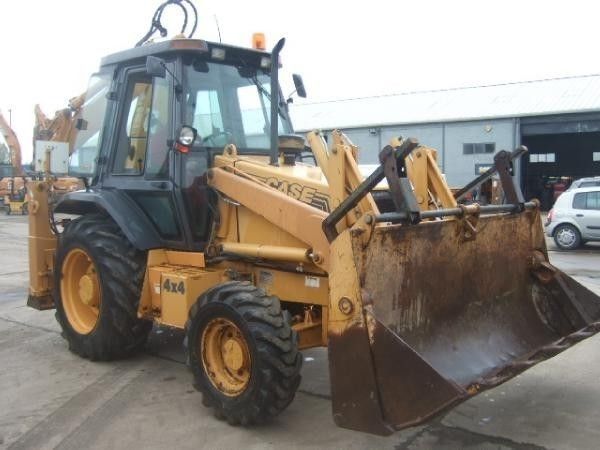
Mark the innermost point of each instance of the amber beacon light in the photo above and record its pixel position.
(258, 41)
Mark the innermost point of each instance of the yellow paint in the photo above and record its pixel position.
(293, 286)
(42, 242)
(176, 289)
(343, 283)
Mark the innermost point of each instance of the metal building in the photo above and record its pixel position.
(557, 119)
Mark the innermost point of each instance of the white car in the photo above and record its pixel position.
(585, 182)
(575, 218)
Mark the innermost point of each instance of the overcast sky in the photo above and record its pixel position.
(343, 49)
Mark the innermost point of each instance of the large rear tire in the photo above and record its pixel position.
(243, 353)
(97, 286)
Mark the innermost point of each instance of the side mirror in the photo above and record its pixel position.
(155, 67)
(299, 85)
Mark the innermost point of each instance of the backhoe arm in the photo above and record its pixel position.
(13, 145)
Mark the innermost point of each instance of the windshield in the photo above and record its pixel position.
(85, 150)
(230, 105)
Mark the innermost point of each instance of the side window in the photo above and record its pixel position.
(593, 200)
(90, 123)
(132, 139)
(579, 201)
(158, 151)
(587, 200)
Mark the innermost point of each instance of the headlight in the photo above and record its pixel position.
(217, 53)
(187, 135)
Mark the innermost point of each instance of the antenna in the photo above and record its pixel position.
(218, 29)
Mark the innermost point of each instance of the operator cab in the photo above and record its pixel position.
(153, 119)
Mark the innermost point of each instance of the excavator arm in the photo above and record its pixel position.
(13, 145)
(61, 128)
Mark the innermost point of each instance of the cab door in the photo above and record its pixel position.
(140, 162)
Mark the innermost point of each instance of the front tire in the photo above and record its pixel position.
(567, 237)
(97, 280)
(243, 353)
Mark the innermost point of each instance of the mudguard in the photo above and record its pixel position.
(130, 218)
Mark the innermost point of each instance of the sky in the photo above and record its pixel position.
(342, 49)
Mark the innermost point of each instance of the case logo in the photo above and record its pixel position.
(305, 194)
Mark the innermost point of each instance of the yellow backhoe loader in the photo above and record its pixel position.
(200, 214)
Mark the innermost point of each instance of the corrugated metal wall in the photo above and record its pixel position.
(460, 168)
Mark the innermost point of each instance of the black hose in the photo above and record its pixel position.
(156, 23)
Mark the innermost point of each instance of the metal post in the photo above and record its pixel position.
(274, 160)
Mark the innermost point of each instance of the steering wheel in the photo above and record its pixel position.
(213, 136)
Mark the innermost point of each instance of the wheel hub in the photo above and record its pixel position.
(80, 291)
(566, 237)
(88, 290)
(233, 355)
(225, 356)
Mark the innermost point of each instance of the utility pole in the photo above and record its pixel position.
(10, 117)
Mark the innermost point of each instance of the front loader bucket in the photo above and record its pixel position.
(444, 315)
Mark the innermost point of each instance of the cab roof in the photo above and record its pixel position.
(179, 45)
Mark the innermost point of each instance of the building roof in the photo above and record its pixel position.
(529, 98)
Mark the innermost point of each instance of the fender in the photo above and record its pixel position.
(133, 222)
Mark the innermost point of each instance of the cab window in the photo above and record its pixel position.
(158, 150)
(133, 131)
(142, 142)
(87, 143)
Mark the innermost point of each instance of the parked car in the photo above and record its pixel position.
(585, 182)
(575, 218)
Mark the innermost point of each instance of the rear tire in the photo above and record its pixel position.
(264, 380)
(112, 329)
(567, 237)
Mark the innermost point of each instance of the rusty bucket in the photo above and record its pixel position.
(447, 315)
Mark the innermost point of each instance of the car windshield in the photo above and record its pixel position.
(230, 105)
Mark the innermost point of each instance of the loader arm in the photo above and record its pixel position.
(293, 216)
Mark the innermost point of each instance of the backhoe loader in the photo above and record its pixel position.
(200, 214)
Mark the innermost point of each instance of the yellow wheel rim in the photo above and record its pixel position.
(225, 356)
(80, 291)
